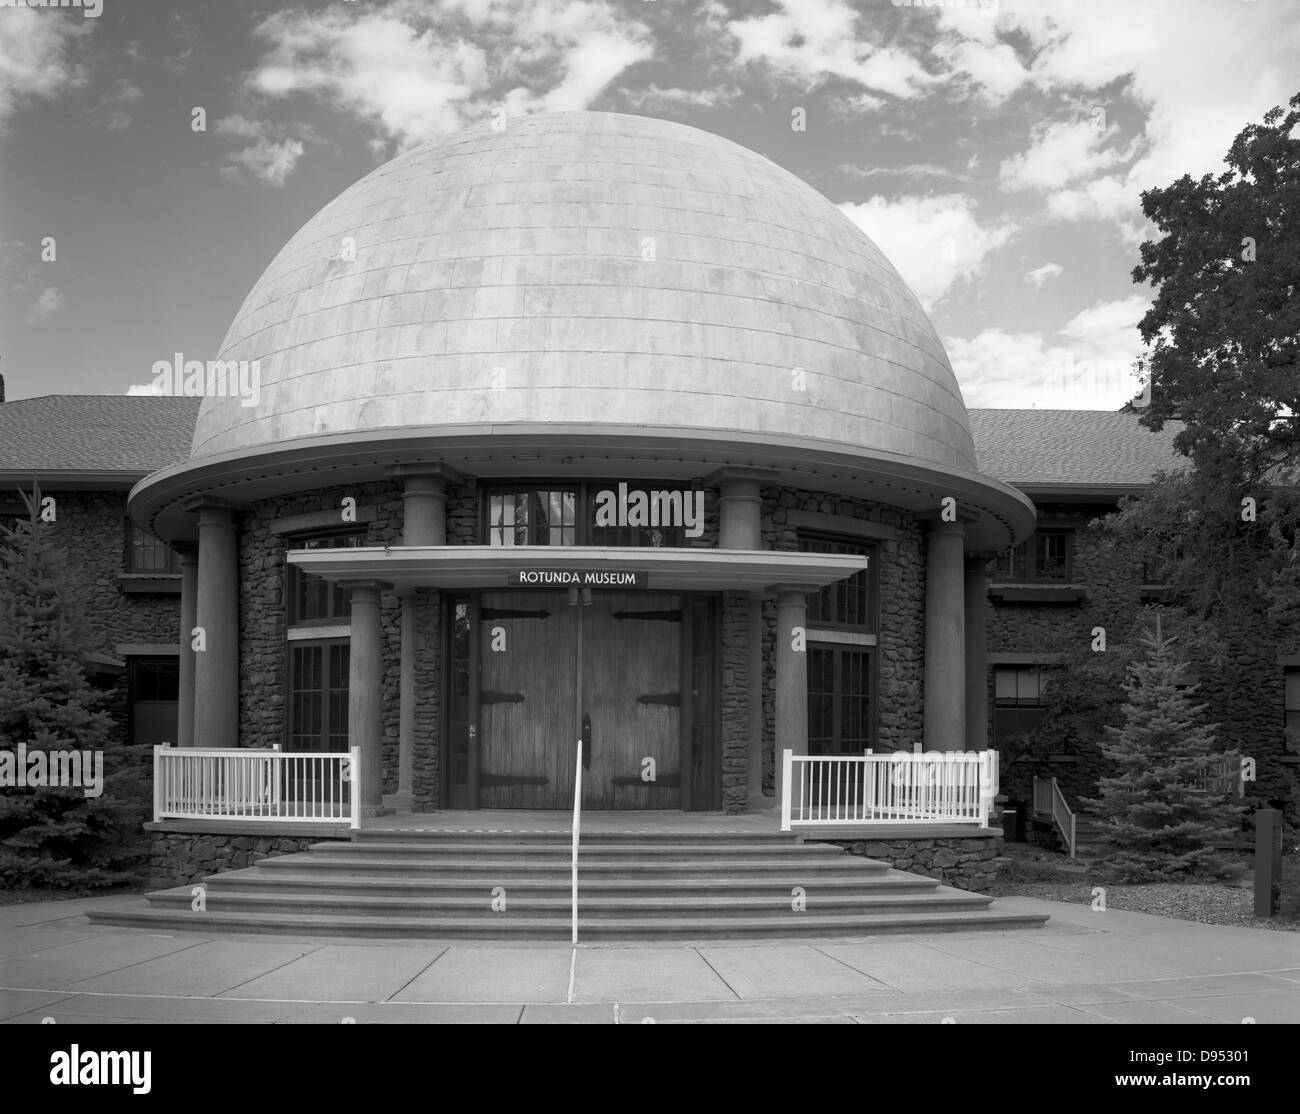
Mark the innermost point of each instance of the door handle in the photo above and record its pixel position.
(586, 741)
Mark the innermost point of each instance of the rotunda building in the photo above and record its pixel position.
(594, 428)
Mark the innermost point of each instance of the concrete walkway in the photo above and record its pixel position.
(1082, 967)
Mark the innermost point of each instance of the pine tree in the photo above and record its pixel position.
(1163, 823)
(59, 836)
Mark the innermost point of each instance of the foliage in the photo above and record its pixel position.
(59, 837)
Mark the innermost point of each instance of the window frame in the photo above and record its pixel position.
(838, 650)
(326, 646)
(584, 511)
(172, 565)
(294, 577)
(1042, 672)
(1028, 548)
(1291, 713)
(834, 592)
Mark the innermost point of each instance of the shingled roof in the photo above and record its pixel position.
(122, 436)
(130, 436)
(1097, 449)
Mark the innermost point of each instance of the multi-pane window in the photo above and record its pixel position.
(1293, 711)
(145, 553)
(318, 695)
(313, 599)
(540, 517)
(839, 699)
(1019, 700)
(1045, 556)
(154, 695)
(846, 603)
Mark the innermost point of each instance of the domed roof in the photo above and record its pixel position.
(615, 274)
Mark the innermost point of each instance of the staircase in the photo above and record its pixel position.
(632, 886)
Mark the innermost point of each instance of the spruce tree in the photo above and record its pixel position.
(59, 836)
(1163, 825)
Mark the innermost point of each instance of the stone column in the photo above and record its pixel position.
(791, 675)
(424, 522)
(754, 793)
(977, 680)
(365, 693)
(216, 667)
(740, 515)
(945, 638)
(187, 556)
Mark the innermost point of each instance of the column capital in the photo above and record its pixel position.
(978, 560)
(730, 474)
(937, 528)
(188, 552)
(214, 503)
(792, 593)
(358, 586)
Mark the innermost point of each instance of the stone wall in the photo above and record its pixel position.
(1242, 688)
(900, 652)
(966, 863)
(179, 858)
(90, 529)
(735, 701)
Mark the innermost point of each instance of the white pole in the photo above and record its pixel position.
(577, 813)
(787, 771)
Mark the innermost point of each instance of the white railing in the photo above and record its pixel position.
(577, 820)
(1222, 775)
(251, 784)
(941, 787)
(1050, 801)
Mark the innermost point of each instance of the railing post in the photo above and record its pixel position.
(354, 794)
(157, 782)
(787, 768)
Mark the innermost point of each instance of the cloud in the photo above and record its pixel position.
(35, 58)
(1060, 152)
(808, 40)
(1040, 275)
(113, 114)
(1086, 364)
(935, 242)
(655, 96)
(907, 170)
(48, 302)
(152, 388)
(413, 72)
(270, 157)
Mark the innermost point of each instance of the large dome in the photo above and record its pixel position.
(594, 272)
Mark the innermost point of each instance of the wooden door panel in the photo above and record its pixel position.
(526, 698)
(631, 690)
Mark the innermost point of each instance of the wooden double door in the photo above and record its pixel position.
(630, 673)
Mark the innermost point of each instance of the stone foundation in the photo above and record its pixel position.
(966, 863)
(179, 858)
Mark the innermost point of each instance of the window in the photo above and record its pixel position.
(1019, 700)
(846, 603)
(1046, 556)
(145, 553)
(1293, 711)
(839, 699)
(153, 686)
(318, 695)
(313, 600)
(543, 517)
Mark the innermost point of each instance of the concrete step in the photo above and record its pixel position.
(501, 850)
(564, 836)
(586, 868)
(787, 925)
(659, 906)
(864, 885)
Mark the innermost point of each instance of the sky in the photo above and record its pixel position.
(156, 154)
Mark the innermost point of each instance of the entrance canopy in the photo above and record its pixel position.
(484, 566)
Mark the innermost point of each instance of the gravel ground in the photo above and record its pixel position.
(1036, 874)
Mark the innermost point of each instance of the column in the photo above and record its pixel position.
(424, 522)
(945, 638)
(187, 556)
(791, 675)
(740, 515)
(365, 693)
(977, 681)
(754, 792)
(216, 666)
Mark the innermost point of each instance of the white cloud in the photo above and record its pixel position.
(935, 242)
(1060, 152)
(1084, 365)
(807, 40)
(48, 302)
(266, 160)
(154, 388)
(35, 58)
(1040, 275)
(993, 70)
(414, 72)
